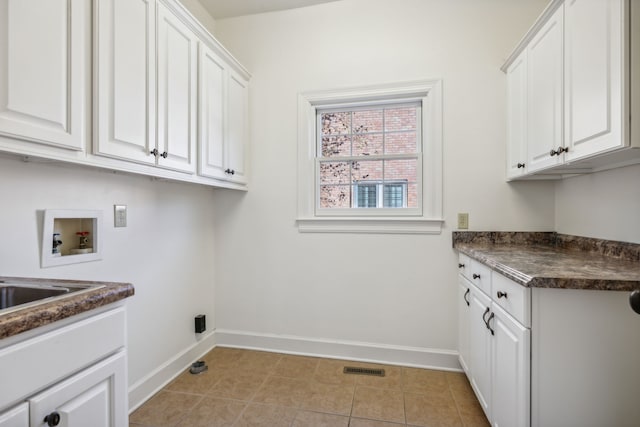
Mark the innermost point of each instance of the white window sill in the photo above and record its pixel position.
(379, 225)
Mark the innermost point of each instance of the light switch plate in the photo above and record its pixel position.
(119, 215)
(463, 221)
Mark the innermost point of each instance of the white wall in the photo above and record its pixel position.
(385, 290)
(166, 250)
(604, 205)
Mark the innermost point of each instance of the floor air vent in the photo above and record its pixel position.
(363, 371)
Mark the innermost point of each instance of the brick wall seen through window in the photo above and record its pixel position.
(367, 153)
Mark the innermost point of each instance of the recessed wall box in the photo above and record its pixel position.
(201, 323)
(71, 236)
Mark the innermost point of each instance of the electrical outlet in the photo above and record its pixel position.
(119, 215)
(463, 221)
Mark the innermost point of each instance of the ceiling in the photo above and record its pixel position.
(220, 9)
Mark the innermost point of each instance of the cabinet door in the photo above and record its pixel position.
(511, 366)
(544, 94)
(212, 77)
(593, 76)
(124, 74)
(15, 417)
(464, 309)
(44, 71)
(237, 136)
(94, 397)
(517, 117)
(177, 97)
(480, 348)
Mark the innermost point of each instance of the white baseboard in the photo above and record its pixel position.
(349, 350)
(142, 390)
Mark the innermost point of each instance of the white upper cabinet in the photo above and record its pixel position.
(124, 79)
(223, 119)
(146, 103)
(237, 127)
(142, 87)
(212, 84)
(517, 117)
(177, 96)
(582, 78)
(544, 94)
(593, 76)
(44, 71)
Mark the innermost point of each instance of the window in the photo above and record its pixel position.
(370, 159)
(365, 147)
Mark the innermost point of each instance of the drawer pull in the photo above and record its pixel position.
(483, 317)
(53, 419)
(489, 320)
(464, 297)
(634, 300)
(460, 265)
(476, 276)
(502, 294)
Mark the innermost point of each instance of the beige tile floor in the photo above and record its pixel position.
(253, 388)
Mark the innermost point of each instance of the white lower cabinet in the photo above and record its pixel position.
(480, 348)
(585, 357)
(495, 349)
(74, 375)
(89, 398)
(464, 307)
(510, 369)
(15, 417)
(546, 357)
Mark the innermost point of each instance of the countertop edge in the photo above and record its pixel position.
(23, 320)
(548, 282)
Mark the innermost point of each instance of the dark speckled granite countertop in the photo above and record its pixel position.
(13, 322)
(551, 260)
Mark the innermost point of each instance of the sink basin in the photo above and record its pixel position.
(18, 295)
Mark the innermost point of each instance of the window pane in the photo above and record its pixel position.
(367, 121)
(366, 195)
(394, 195)
(335, 196)
(400, 143)
(367, 145)
(334, 146)
(402, 118)
(396, 170)
(336, 123)
(367, 170)
(335, 172)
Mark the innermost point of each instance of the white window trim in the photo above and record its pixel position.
(430, 222)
